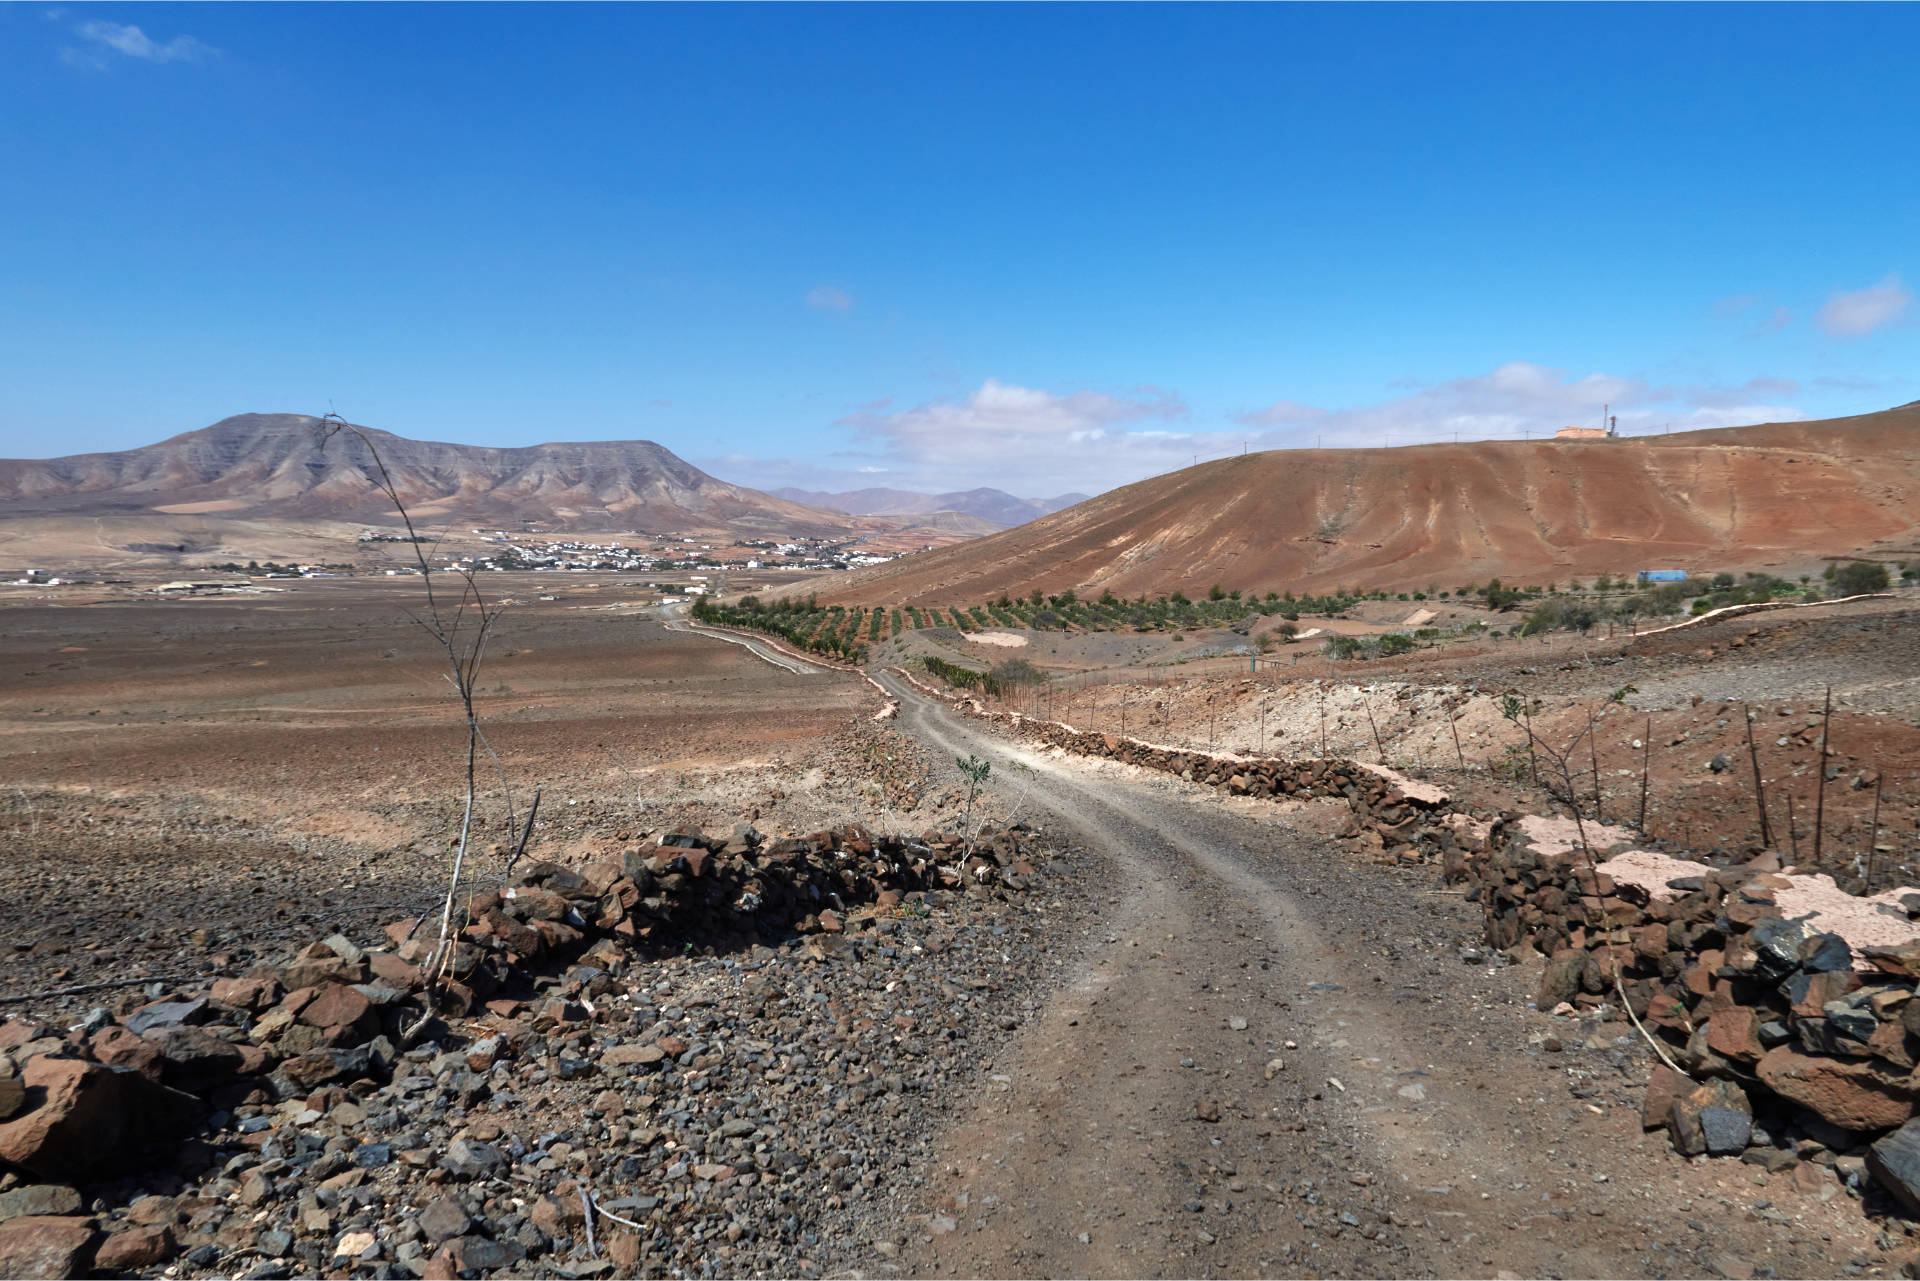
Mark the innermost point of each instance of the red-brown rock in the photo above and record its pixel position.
(1853, 1094)
(17, 1032)
(1664, 1085)
(1734, 1034)
(252, 995)
(136, 1248)
(117, 1045)
(335, 1005)
(45, 1246)
(319, 964)
(84, 1116)
(389, 968)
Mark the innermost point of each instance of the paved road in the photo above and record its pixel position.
(1380, 1112)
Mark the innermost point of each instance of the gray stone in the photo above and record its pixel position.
(371, 1156)
(1894, 1163)
(1856, 1021)
(1776, 943)
(39, 1198)
(1713, 1118)
(477, 1254)
(1826, 952)
(473, 1160)
(444, 1220)
(167, 1014)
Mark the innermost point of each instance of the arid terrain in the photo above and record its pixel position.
(1776, 497)
(1238, 952)
(1211, 1037)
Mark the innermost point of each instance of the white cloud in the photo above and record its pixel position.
(1031, 441)
(827, 298)
(1861, 311)
(1512, 400)
(134, 43)
(1014, 438)
(1280, 413)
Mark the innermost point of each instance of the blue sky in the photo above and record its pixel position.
(1041, 248)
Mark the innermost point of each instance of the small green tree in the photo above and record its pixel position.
(975, 771)
(1859, 577)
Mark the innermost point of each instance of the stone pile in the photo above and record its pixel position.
(1795, 1046)
(1403, 823)
(265, 1056)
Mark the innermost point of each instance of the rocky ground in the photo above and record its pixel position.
(1200, 1038)
(721, 1110)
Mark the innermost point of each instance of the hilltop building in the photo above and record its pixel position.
(1607, 432)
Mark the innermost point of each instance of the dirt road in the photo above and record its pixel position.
(1273, 1061)
(676, 622)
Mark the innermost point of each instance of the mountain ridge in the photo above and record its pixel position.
(285, 465)
(1448, 514)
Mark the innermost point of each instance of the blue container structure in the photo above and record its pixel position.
(1663, 575)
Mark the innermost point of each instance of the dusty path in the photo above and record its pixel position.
(1406, 1129)
(675, 623)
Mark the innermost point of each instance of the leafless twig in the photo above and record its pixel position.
(461, 628)
(83, 988)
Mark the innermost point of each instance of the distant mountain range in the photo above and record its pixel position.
(996, 506)
(260, 466)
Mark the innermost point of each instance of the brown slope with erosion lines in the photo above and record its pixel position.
(1314, 520)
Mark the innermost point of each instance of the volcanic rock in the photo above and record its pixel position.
(1714, 1118)
(1853, 1094)
(45, 1246)
(89, 1116)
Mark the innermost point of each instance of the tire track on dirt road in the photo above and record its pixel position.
(1404, 1130)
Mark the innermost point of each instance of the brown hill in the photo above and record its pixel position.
(276, 467)
(1401, 519)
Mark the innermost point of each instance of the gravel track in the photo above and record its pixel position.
(1376, 1113)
